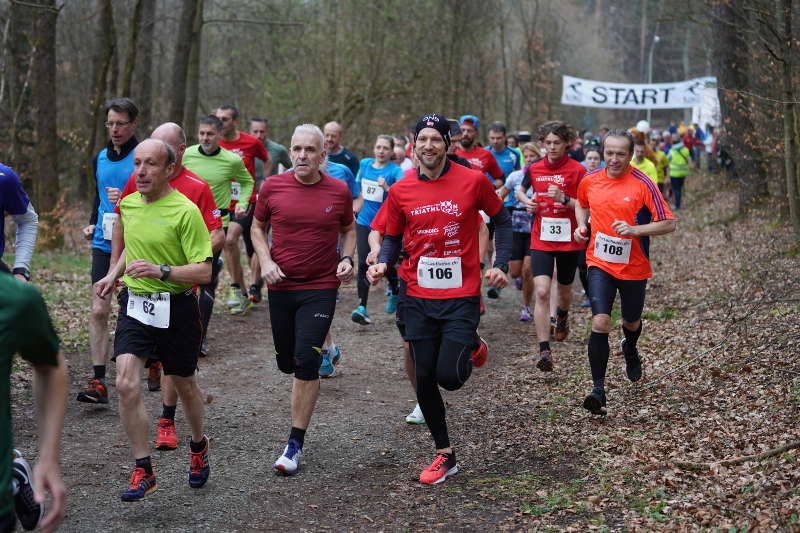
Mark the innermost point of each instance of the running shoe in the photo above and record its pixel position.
(633, 363)
(595, 402)
(480, 354)
(524, 314)
(199, 468)
(337, 355)
(439, 470)
(391, 303)
(545, 362)
(154, 376)
(360, 316)
(493, 293)
(233, 296)
(518, 283)
(141, 485)
(562, 327)
(203, 349)
(96, 392)
(167, 438)
(326, 369)
(416, 416)
(28, 511)
(255, 294)
(288, 463)
(243, 306)
(586, 303)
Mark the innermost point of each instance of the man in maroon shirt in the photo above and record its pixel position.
(303, 270)
(249, 148)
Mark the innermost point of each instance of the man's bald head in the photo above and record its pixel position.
(333, 137)
(173, 135)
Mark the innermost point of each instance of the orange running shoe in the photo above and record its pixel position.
(562, 327)
(167, 437)
(154, 376)
(96, 392)
(141, 485)
(480, 354)
(439, 470)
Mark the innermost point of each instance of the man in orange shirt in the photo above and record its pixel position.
(616, 261)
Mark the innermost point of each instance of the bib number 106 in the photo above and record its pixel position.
(439, 272)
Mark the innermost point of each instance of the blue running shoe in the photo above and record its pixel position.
(391, 303)
(199, 469)
(141, 485)
(360, 316)
(288, 463)
(337, 355)
(326, 369)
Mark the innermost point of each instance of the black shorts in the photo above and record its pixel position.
(542, 263)
(247, 222)
(603, 289)
(400, 311)
(300, 321)
(8, 522)
(455, 319)
(520, 246)
(177, 347)
(101, 261)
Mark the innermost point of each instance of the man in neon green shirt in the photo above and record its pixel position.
(168, 250)
(642, 163)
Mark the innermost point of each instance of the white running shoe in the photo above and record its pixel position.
(416, 416)
(289, 462)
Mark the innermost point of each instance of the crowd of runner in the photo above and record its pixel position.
(445, 218)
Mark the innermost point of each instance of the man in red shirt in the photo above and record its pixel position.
(554, 180)
(435, 216)
(479, 158)
(198, 191)
(248, 148)
(303, 270)
(616, 261)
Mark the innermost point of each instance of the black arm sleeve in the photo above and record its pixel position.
(96, 205)
(390, 249)
(503, 237)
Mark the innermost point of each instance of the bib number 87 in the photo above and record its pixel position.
(440, 273)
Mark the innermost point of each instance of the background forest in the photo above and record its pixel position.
(374, 66)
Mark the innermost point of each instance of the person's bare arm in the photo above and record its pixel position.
(344, 271)
(217, 240)
(270, 270)
(194, 273)
(662, 227)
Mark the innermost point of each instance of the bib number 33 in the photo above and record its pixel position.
(150, 309)
(439, 272)
(555, 230)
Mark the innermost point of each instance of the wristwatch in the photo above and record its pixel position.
(22, 271)
(503, 267)
(166, 270)
(348, 258)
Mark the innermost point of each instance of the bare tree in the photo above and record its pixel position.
(193, 76)
(180, 64)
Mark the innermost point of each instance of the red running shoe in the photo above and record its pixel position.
(439, 470)
(167, 437)
(96, 392)
(480, 354)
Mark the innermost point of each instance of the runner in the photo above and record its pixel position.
(112, 166)
(479, 158)
(15, 202)
(404, 162)
(592, 161)
(217, 167)
(26, 329)
(249, 148)
(303, 271)
(679, 157)
(615, 258)
(555, 180)
(662, 167)
(375, 176)
(435, 215)
(198, 191)
(167, 250)
(336, 152)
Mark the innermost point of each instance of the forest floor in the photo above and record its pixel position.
(720, 345)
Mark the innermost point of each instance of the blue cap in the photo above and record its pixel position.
(469, 118)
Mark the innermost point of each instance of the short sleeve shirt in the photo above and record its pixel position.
(482, 159)
(218, 170)
(249, 148)
(439, 220)
(521, 220)
(306, 221)
(341, 172)
(371, 192)
(609, 199)
(13, 200)
(168, 231)
(565, 173)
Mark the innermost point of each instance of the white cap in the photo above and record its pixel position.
(643, 126)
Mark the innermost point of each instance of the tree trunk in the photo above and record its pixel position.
(783, 14)
(148, 21)
(130, 60)
(193, 78)
(21, 50)
(105, 47)
(180, 65)
(733, 76)
(687, 64)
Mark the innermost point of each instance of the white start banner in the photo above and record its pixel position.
(591, 93)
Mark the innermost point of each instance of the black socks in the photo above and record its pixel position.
(145, 463)
(297, 434)
(197, 447)
(100, 372)
(168, 411)
(598, 358)
(631, 337)
(544, 346)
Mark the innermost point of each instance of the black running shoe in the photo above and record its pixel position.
(633, 363)
(28, 511)
(493, 293)
(255, 294)
(595, 403)
(545, 362)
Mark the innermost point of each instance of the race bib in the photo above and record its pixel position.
(236, 188)
(439, 273)
(612, 249)
(555, 230)
(371, 191)
(150, 309)
(109, 219)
